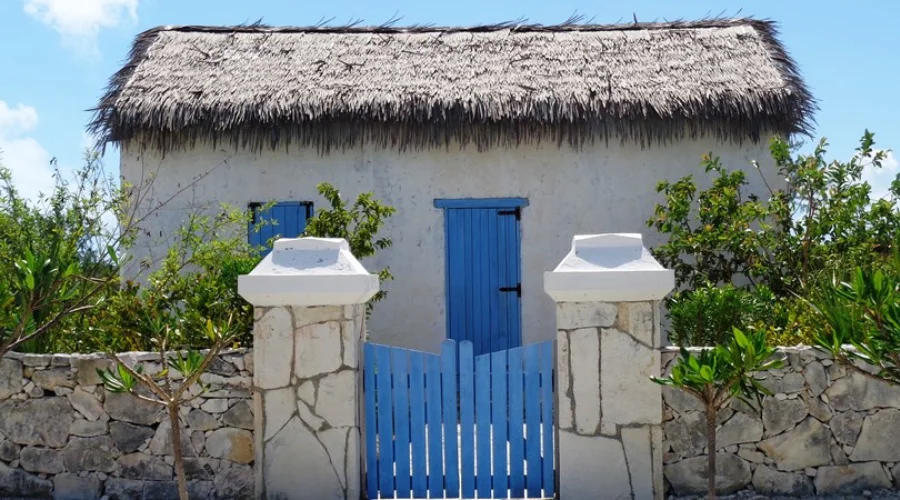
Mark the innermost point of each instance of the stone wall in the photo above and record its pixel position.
(63, 436)
(826, 430)
(308, 385)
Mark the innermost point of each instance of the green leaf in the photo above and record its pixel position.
(740, 338)
(112, 254)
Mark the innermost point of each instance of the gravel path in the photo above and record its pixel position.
(752, 495)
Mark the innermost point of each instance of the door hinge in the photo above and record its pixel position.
(516, 211)
(517, 289)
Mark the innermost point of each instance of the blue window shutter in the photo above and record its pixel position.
(286, 219)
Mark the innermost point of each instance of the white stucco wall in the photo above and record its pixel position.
(600, 189)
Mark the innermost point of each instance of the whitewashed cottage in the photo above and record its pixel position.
(495, 144)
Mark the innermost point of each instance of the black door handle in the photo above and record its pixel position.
(517, 289)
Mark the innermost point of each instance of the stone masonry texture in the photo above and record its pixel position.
(307, 388)
(609, 412)
(63, 436)
(827, 430)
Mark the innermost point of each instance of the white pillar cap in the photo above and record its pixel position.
(613, 267)
(308, 272)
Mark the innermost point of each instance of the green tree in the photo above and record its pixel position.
(359, 225)
(178, 381)
(717, 375)
(823, 219)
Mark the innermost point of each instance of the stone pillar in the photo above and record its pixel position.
(309, 296)
(609, 412)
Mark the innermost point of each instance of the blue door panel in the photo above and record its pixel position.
(483, 277)
(285, 220)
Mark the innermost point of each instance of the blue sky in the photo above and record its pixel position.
(57, 56)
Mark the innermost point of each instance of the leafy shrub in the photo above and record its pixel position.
(824, 221)
(862, 321)
(196, 283)
(706, 315)
(57, 256)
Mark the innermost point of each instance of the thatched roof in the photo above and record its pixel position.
(258, 87)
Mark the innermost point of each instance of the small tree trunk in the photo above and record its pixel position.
(711, 447)
(177, 451)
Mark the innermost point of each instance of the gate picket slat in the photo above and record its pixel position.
(547, 417)
(451, 418)
(385, 422)
(401, 420)
(433, 414)
(467, 418)
(499, 422)
(456, 425)
(533, 420)
(369, 392)
(483, 424)
(516, 436)
(417, 424)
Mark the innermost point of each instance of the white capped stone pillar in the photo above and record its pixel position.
(309, 296)
(608, 410)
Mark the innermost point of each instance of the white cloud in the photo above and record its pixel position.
(881, 178)
(28, 161)
(79, 21)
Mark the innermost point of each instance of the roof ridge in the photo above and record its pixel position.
(518, 26)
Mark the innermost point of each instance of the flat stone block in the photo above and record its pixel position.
(590, 466)
(852, 478)
(689, 476)
(564, 409)
(273, 348)
(629, 396)
(336, 400)
(584, 356)
(807, 445)
(574, 315)
(637, 319)
(296, 462)
(318, 349)
(278, 406)
(636, 441)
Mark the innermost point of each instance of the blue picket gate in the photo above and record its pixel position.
(456, 425)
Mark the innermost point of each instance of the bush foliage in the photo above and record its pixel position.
(58, 256)
(770, 253)
(62, 256)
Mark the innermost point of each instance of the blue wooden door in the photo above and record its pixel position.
(285, 219)
(484, 288)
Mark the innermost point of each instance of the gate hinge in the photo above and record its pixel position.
(517, 289)
(516, 211)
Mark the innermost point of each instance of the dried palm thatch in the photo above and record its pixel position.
(259, 87)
